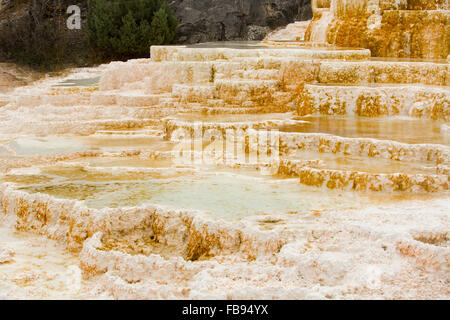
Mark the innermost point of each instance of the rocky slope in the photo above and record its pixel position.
(217, 20)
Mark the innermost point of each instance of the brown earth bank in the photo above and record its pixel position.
(12, 76)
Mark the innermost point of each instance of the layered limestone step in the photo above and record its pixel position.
(354, 8)
(73, 223)
(246, 65)
(216, 103)
(384, 71)
(315, 173)
(266, 68)
(186, 53)
(295, 73)
(61, 90)
(154, 76)
(291, 72)
(126, 99)
(194, 93)
(291, 142)
(220, 105)
(363, 181)
(426, 249)
(33, 100)
(417, 33)
(144, 132)
(172, 125)
(414, 5)
(230, 110)
(377, 100)
(240, 91)
(138, 99)
(405, 28)
(168, 103)
(74, 113)
(78, 127)
(116, 103)
(155, 112)
(114, 125)
(257, 63)
(261, 74)
(291, 167)
(4, 100)
(104, 98)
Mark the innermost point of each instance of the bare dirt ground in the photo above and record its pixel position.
(12, 76)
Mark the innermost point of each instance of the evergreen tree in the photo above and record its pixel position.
(125, 29)
(163, 25)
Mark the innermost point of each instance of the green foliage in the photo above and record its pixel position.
(123, 29)
(163, 25)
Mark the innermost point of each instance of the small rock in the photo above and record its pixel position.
(256, 33)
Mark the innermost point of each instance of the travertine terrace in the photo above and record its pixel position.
(354, 206)
(389, 28)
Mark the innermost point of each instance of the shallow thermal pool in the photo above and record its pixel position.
(46, 146)
(51, 145)
(405, 130)
(85, 82)
(364, 164)
(223, 194)
(226, 196)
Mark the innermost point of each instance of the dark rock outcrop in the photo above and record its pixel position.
(210, 20)
(220, 20)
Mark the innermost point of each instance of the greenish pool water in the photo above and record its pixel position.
(226, 196)
(88, 82)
